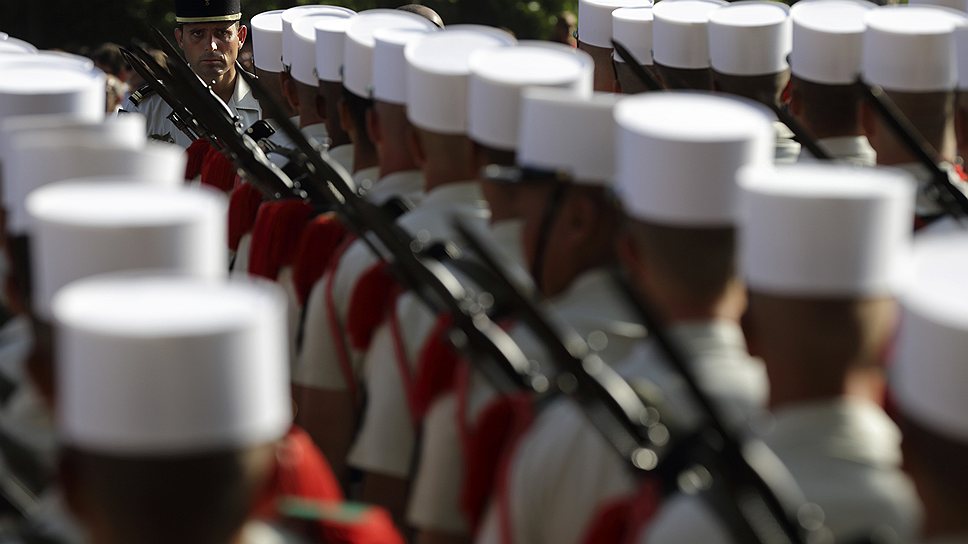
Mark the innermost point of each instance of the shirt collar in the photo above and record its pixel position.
(343, 154)
(850, 149)
(592, 299)
(242, 98)
(407, 184)
(847, 428)
(463, 192)
(316, 133)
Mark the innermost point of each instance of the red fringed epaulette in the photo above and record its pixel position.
(489, 446)
(218, 171)
(339, 522)
(436, 369)
(320, 240)
(275, 235)
(196, 158)
(369, 303)
(300, 471)
(243, 207)
(623, 519)
(960, 170)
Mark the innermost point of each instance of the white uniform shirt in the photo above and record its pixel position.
(844, 453)
(319, 366)
(787, 149)
(595, 309)
(343, 154)
(564, 470)
(849, 149)
(156, 112)
(385, 440)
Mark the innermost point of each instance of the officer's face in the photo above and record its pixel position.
(211, 48)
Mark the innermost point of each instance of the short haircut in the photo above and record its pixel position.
(191, 498)
(931, 113)
(765, 89)
(685, 78)
(357, 107)
(108, 57)
(700, 260)
(832, 109)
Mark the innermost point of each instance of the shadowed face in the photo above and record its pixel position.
(212, 48)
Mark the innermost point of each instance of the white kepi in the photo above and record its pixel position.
(93, 226)
(155, 365)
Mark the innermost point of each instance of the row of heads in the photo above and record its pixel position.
(685, 160)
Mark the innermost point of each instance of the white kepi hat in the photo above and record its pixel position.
(499, 75)
(961, 55)
(303, 67)
(564, 133)
(10, 45)
(42, 158)
(750, 38)
(660, 137)
(438, 70)
(632, 27)
(595, 19)
(827, 39)
(330, 44)
(910, 48)
(267, 40)
(50, 83)
(290, 15)
(390, 64)
(92, 226)
(171, 365)
(679, 35)
(928, 374)
(826, 230)
(358, 50)
(124, 130)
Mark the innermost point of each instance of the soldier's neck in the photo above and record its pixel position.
(225, 87)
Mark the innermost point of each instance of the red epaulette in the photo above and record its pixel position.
(275, 235)
(436, 369)
(218, 171)
(301, 471)
(370, 301)
(196, 157)
(320, 240)
(244, 205)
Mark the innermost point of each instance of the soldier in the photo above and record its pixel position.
(823, 250)
(325, 411)
(162, 414)
(764, 27)
(927, 380)
(632, 27)
(267, 55)
(896, 42)
(595, 36)
(825, 63)
(210, 35)
(680, 43)
(498, 77)
(330, 44)
(678, 249)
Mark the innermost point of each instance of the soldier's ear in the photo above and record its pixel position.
(868, 120)
(178, 36)
(243, 34)
(415, 146)
(373, 126)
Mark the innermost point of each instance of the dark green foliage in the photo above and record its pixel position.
(76, 24)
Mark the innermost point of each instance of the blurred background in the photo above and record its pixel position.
(79, 26)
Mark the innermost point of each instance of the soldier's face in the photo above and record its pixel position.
(211, 48)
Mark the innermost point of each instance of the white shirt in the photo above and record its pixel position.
(844, 453)
(564, 470)
(319, 365)
(787, 149)
(156, 112)
(850, 149)
(343, 154)
(594, 308)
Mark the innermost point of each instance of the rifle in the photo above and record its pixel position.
(948, 197)
(764, 499)
(223, 127)
(801, 134)
(180, 116)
